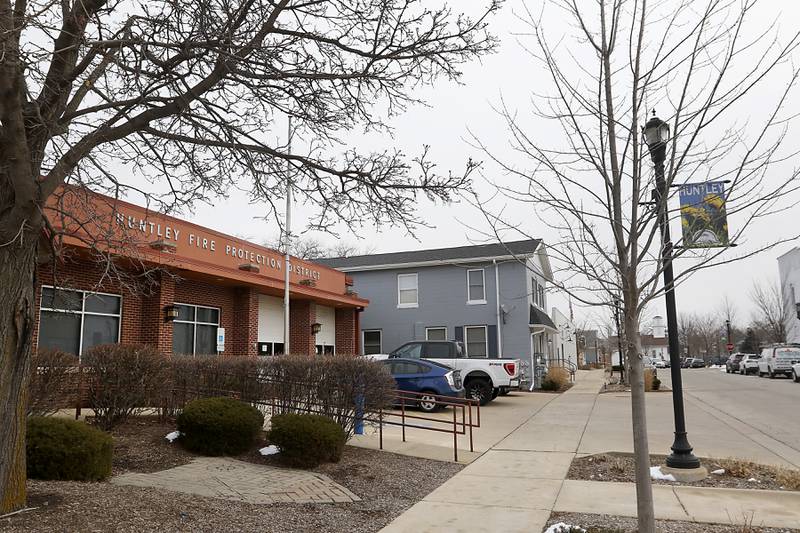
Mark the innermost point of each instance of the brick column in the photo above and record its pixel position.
(155, 330)
(302, 313)
(346, 343)
(245, 323)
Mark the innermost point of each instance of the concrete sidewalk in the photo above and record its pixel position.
(514, 486)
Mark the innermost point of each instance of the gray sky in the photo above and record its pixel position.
(452, 111)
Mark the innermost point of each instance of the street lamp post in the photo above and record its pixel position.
(656, 133)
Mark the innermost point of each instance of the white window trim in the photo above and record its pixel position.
(195, 322)
(535, 293)
(485, 340)
(435, 327)
(408, 305)
(363, 342)
(483, 285)
(83, 312)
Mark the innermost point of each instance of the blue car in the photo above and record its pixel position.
(425, 377)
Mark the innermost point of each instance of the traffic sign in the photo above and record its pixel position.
(730, 347)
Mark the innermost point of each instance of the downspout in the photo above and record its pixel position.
(497, 308)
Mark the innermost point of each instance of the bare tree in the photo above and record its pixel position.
(587, 173)
(188, 96)
(771, 314)
(312, 248)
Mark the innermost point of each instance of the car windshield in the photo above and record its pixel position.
(789, 353)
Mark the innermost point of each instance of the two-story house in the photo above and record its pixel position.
(491, 297)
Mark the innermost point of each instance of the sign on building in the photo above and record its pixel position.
(703, 217)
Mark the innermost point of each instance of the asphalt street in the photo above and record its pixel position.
(769, 406)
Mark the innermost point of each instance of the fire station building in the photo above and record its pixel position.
(126, 274)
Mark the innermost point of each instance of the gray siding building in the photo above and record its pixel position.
(491, 297)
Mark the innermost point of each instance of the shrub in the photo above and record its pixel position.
(307, 440)
(63, 449)
(124, 379)
(219, 426)
(54, 382)
(557, 378)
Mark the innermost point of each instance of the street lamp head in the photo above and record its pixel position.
(656, 135)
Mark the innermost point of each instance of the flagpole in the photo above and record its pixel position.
(287, 244)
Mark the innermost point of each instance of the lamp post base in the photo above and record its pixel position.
(682, 457)
(686, 475)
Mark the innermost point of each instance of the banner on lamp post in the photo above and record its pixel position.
(703, 218)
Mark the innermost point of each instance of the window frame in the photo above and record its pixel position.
(83, 312)
(416, 289)
(485, 341)
(194, 324)
(363, 340)
(480, 301)
(427, 329)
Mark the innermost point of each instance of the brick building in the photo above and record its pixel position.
(130, 275)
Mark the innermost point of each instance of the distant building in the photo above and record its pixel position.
(789, 272)
(591, 346)
(565, 341)
(491, 297)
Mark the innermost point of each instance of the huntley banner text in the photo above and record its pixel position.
(703, 218)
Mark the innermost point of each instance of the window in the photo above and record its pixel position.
(74, 321)
(194, 332)
(408, 367)
(326, 349)
(535, 292)
(407, 294)
(372, 341)
(476, 290)
(437, 350)
(436, 334)
(270, 348)
(412, 350)
(476, 341)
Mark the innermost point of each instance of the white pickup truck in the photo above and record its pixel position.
(483, 378)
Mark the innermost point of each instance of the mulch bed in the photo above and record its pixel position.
(597, 523)
(387, 483)
(620, 467)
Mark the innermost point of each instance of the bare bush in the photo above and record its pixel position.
(124, 379)
(54, 382)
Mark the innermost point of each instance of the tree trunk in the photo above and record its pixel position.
(17, 271)
(641, 448)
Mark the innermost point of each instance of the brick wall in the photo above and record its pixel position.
(143, 309)
(302, 313)
(346, 331)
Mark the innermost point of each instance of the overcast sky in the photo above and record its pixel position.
(452, 111)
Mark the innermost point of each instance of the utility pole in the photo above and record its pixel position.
(657, 135)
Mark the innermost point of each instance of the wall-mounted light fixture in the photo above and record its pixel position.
(316, 327)
(170, 313)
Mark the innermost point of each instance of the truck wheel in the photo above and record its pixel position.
(480, 390)
(771, 373)
(795, 377)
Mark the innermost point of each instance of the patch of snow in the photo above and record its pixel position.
(269, 450)
(561, 527)
(718, 472)
(172, 435)
(656, 473)
(716, 366)
(722, 369)
(753, 480)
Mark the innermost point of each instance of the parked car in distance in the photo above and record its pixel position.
(427, 378)
(778, 359)
(718, 360)
(660, 363)
(749, 364)
(697, 363)
(796, 372)
(732, 364)
(484, 379)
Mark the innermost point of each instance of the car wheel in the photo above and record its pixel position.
(727, 370)
(428, 402)
(795, 377)
(480, 390)
(495, 393)
(771, 373)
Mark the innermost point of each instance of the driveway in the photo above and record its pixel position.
(727, 415)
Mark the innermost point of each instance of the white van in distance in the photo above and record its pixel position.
(778, 359)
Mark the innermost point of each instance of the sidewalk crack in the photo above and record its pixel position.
(677, 497)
